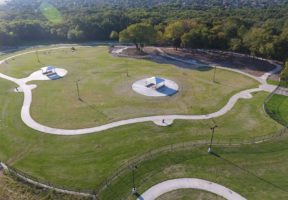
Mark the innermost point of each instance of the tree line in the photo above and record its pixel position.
(233, 34)
(260, 32)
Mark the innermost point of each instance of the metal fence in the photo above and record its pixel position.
(41, 183)
(127, 167)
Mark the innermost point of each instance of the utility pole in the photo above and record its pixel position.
(37, 56)
(134, 189)
(214, 74)
(78, 93)
(212, 136)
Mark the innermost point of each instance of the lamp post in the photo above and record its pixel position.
(214, 74)
(37, 56)
(134, 189)
(78, 93)
(212, 136)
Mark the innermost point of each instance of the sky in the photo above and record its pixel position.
(2, 1)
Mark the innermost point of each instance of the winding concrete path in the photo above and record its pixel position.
(30, 122)
(189, 183)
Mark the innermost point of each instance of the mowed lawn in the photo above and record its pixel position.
(85, 161)
(278, 105)
(188, 194)
(106, 89)
(257, 172)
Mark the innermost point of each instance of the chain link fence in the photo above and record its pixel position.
(127, 168)
(41, 183)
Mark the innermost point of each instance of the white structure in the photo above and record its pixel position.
(155, 82)
(155, 87)
(48, 70)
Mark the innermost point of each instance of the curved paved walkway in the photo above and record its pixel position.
(30, 122)
(189, 183)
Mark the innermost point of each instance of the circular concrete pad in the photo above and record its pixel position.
(168, 89)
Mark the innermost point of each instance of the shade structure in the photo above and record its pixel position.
(155, 87)
(48, 70)
(155, 82)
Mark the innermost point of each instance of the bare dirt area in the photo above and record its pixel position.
(130, 51)
(226, 59)
(241, 62)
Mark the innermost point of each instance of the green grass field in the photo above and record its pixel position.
(85, 161)
(278, 106)
(256, 171)
(106, 89)
(188, 194)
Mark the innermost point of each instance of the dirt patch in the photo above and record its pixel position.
(132, 51)
(241, 62)
(128, 52)
(226, 59)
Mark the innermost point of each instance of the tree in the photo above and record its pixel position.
(139, 34)
(114, 35)
(281, 45)
(75, 34)
(284, 73)
(174, 32)
(196, 38)
(260, 42)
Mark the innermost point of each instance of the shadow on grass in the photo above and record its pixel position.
(248, 172)
(92, 107)
(181, 64)
(138, 196)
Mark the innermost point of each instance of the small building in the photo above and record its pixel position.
(154, 82)
(48, 70)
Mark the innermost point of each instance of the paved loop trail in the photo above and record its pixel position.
(189, 183)
(30, 122)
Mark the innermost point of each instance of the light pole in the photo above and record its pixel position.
(37, 56)
(78, 93)
(212, 136)
(214, 74)
(134, 189)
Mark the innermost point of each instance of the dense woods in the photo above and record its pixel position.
(250, 28)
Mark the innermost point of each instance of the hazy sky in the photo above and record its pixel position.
(2, 1)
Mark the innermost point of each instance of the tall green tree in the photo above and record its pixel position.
(114, 35)
(284, 73)
(139, 34)
(260, 42)
(174, 32)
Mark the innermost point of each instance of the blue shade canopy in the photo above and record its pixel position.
(50, 68)
(155, 80)
(159, 80)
